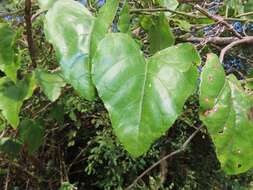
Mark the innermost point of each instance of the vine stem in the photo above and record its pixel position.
(162, 9)
(7, 179)
(248, 39)
(28, 20)
(214, 40)
(180, 150)
(219, 19)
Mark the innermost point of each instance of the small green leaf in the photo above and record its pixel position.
(50, 83)
(57, 113)
(182, 24)
(12, 96)
(146, 22)
(143, 97)
(10, 146)
(227, 111)
(67, 186)
(160, 35)
(31, 134)
(170, 4)
(7, 63)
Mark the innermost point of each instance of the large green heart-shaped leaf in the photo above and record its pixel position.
(12, 97)
(7, 62)
(74, 32)
(143, 97)
(68, 26)
(227, 111)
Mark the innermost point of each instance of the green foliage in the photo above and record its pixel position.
(124, 19)
(76, 42)
(226, 110)
(170, 4)
(110, 163)
(67, 186)
(160, 35)
(145, 77)
(10, 146)
(102, 23)
(31, 134)
(72, 43)
(50, 83)
(138, 94)
(8, 63)
(13, 95)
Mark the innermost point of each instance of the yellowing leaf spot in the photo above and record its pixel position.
(210, 78)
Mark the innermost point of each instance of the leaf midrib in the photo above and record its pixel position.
(142, 96)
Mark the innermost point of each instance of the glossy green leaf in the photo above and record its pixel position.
(12, 97)
(72, 43)
(102, 23)
(46, 4)
(76, 41)
(143, 97)
(31, 134)
(50, 83)
(160, 35)
(7, 63)
(227, 111)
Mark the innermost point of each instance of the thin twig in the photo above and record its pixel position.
(37, 114)
(182, 149)
(28, 15)
(189, 1)
(37, 14)
(214, 40)
(7, 179)
(164, 10)
(248, 39)
(219, 19)
(244, 81)
(245, 14)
